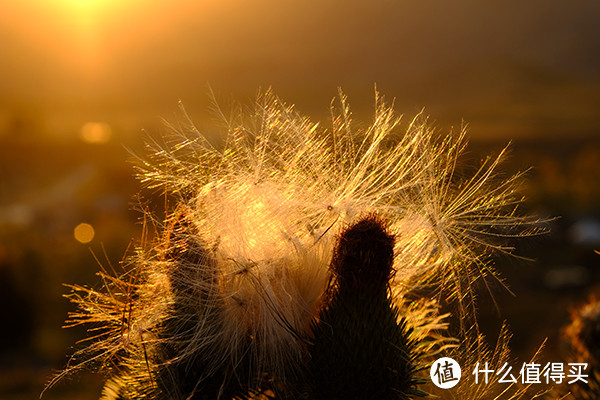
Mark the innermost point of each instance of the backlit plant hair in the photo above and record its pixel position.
(287, 231)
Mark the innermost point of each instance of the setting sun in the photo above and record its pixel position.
(74, 36)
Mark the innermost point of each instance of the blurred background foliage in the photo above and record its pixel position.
(80, 79)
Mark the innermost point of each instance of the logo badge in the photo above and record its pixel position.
(445, 373)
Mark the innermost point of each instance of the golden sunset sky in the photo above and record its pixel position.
(508, 68)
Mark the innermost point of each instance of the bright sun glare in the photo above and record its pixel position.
(87, 21)
(89, 12)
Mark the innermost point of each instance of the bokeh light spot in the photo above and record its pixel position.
(96, 132)
(84, 233)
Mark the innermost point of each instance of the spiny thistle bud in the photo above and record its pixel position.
(364, 255)
(361, 349)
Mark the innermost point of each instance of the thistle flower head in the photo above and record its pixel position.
(228, 294)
